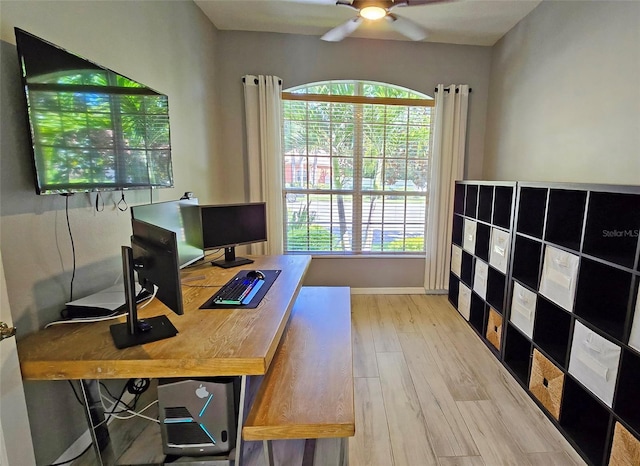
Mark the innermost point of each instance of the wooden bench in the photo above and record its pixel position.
(307, 393)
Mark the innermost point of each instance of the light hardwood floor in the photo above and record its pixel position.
(428, 391)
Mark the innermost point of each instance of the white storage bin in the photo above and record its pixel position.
(480, 279)
(523, 309)
(634, 339)
(559, 277)
(456, 259)
(469, 239)
(464, 301)
(594, 362)
(499, 252)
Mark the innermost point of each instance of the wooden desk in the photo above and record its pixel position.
(210, 342)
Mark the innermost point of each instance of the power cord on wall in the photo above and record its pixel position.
(99, 202)
(122, 204)
(73, 246)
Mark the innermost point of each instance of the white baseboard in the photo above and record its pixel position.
(84, 440)
(399, 290)
(437, 292)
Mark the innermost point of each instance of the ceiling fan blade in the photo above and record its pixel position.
(406, 27)
(340, 32)
(415, 2)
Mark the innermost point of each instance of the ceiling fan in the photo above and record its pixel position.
(376, 10)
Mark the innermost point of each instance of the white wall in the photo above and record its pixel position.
(299, 59)
(167, 45)
(564, 98)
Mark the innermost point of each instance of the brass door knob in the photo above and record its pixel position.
(6, 331)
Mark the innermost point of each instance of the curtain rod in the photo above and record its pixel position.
(446, 89)
(255, 81)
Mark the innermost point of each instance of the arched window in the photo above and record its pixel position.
(356, 168)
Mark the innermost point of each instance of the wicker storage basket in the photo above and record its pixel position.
(625, 450)
(546, 383)
(494, 328)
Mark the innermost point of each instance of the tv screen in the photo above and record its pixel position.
(91, 129)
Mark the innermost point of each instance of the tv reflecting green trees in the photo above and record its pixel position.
(91, 129)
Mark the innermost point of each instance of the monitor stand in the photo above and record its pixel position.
(135, 332)
(230, 259)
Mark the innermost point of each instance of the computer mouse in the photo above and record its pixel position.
(256, 274)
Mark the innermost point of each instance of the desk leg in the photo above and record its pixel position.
(267, 449)
(241, 413)
(331, 452)
(344, 449)
(95, 416)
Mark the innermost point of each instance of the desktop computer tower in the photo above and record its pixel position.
(198, 416)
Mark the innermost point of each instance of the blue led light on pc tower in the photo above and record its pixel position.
(197, 417)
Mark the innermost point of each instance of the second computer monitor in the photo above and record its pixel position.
(230, 225)
(183, 218)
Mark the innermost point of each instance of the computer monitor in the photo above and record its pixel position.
(153, 255)
(181, 217)
(156, 262)
(228, 226)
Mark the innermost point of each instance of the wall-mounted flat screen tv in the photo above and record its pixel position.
(91, 129)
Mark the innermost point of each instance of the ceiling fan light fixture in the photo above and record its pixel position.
(373, 12)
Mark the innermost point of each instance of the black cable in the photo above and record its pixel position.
(134, 386)
(119, 399)
(215, 258)
(115, 400)
(204, 259)
(122, 203)
(72, 459)
(107, 390)
(73, 246)
(138, 386)
(126, 409)
(99, 207)
(75, 393)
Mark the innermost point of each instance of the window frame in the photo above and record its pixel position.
(356, 192)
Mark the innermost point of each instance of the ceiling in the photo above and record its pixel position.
(468, 22)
